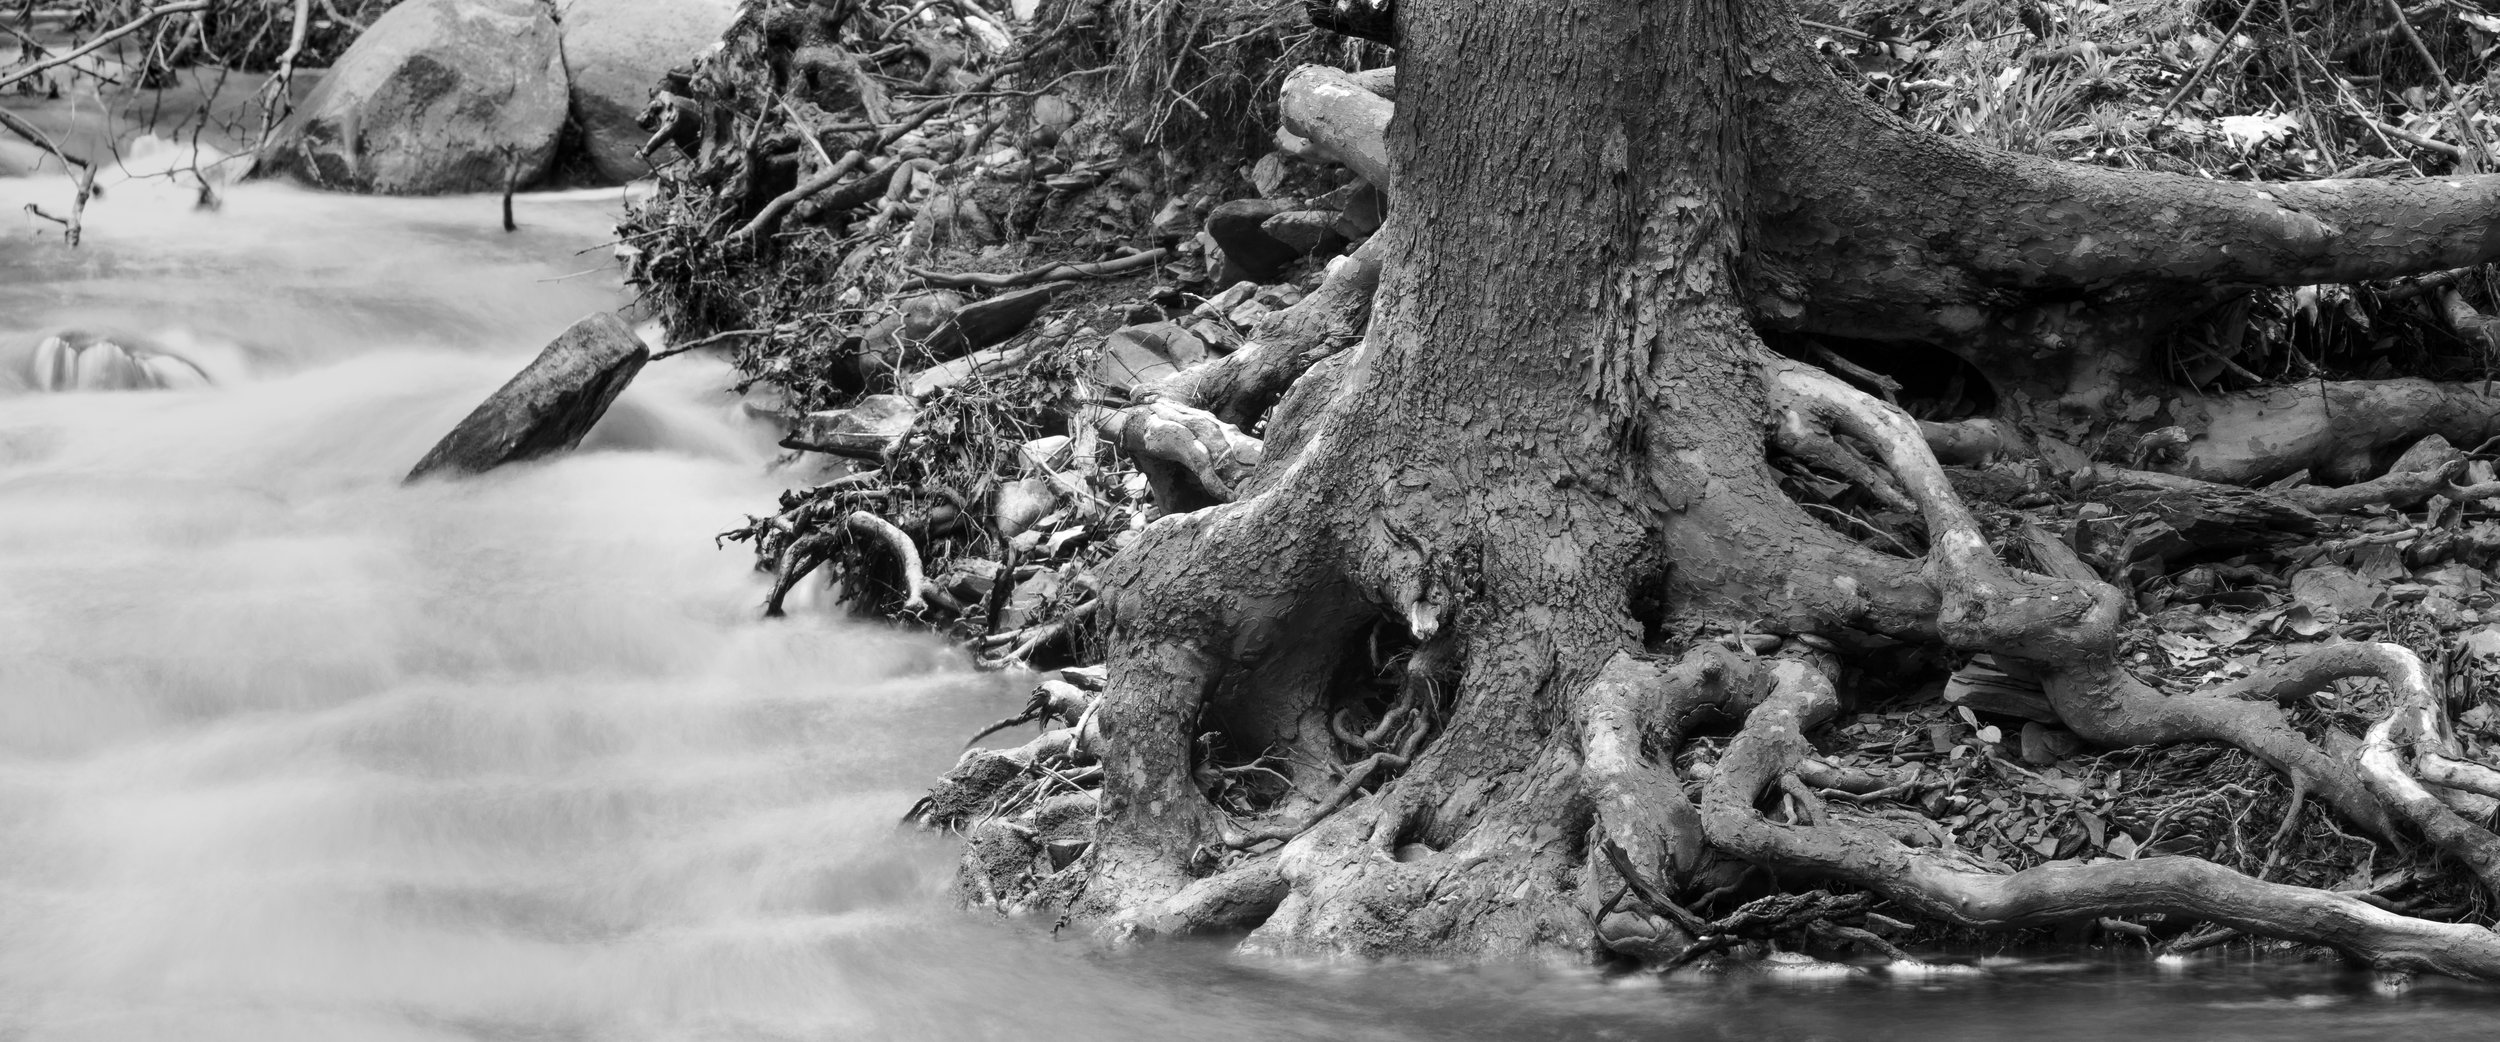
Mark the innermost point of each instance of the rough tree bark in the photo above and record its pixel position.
(1544, 474)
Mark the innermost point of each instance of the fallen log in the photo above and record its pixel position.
(1331, 109)
(547, 407)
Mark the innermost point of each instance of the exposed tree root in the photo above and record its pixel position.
(1930, 884)
(2067, 629)
(1192, 459)
(2338, 428)
(805, 543)
(1241, 387)
(1456, 557)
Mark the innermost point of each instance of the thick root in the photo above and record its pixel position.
(1934, 885)
(2335, 429)
(2068, 629)
(1241, 387)
(1192, 460)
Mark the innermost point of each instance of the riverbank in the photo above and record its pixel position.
(978, 484)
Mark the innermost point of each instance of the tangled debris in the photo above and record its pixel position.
(1022, 289)
(872, 208)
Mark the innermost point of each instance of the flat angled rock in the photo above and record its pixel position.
(1308, 231)
(549, 406)
(867, 430)
(1984, 688)
(1142, 354)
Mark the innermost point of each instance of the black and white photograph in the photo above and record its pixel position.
(1249, 520)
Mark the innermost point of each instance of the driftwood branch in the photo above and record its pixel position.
(1045, 273)
(1333, 110)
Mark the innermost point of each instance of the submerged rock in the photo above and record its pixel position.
(614, 52)
(549, 406)
(73, 360)
(439, 96)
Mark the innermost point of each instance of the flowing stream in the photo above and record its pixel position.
(291, 751)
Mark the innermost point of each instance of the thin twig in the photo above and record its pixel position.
(143, 21)
(278, 91)
(2210, 61)
(709, 341)
(2405, 26)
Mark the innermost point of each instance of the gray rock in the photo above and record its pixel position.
(868, 430)
(1223, 303)
(1309, 231)
(2043, 745)
(549, 406)
(1249, 252)
(1360, 205)
(439, 96)
(1022, 504)
(950, 220)
(2334, 590)
(1983, 687)
(1053, 111)
(1136, 355)
(614, 52)
(1269, 173)
(2431, 451)
(920, 331)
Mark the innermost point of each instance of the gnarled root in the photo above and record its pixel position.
(1191, 459)
(1241, 387)
(1934, 884)
(1644, 824)
(1017, 647)
(2066, 628)
(805, 551)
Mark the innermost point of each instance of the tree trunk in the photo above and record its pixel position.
(1417, 688)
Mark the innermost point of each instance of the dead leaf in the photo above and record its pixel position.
(2226, 630)
(2302, 621)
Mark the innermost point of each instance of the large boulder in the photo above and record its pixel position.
(439, 96)
(615, 50)
(547, 407)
